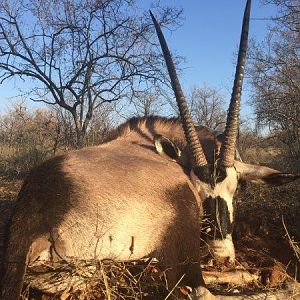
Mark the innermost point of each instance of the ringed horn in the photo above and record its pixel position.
(232, 124)
(193, 143)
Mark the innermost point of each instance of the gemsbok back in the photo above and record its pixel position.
(142, 193)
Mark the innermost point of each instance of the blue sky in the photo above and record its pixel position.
(207, 39)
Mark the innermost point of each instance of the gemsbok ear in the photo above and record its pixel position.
(166, 148)
(262, 175)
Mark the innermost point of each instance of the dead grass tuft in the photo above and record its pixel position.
(96, 280)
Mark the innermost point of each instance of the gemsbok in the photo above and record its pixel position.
(142, 193)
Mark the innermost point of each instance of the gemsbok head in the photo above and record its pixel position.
(216, 177)
(122, 200)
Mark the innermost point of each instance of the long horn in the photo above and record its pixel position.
(232, 124)
(187, 122)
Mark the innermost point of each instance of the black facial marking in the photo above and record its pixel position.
(208, 174)
(217, 223)
(203, 173)
(221, 173)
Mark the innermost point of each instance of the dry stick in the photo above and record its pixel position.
(172, 290)
(236, 277)
(107, 289)
(291, 242)
(295, 249)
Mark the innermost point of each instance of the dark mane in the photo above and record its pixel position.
(148, 127)
(137, 124)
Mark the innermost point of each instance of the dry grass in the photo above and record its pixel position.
(98, 280)
(9, 188)
(17, 162)
(255, 272)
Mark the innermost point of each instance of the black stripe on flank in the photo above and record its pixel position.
(216, 223)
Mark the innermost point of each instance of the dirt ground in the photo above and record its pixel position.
(269, 219)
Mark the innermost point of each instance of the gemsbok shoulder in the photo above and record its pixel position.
(151, 182)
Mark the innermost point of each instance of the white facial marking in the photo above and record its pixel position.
(224, 189)
(222, 248)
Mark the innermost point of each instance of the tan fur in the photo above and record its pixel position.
(92, 202)
(121, 200)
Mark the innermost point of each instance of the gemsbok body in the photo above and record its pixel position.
(142, 193)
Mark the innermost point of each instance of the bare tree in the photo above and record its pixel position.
(275, 76)
(101, 124)
(207, 107)
(65, 131)
(80, 54)
(148, 103)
